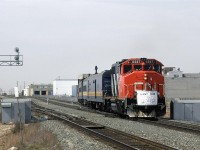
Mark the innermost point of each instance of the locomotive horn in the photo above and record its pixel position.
(96, 68)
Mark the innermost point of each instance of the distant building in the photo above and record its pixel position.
(64, 86)
(74, 90)
(167, 69)
(182, 85)
(38, 89)
(172, 72)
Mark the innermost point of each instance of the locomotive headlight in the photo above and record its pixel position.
(145, 76)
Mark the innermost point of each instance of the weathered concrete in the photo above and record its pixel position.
(184, 87)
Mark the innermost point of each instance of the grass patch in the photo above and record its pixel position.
(33, 139)
(17, 127)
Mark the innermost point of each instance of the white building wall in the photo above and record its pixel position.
(27, 91)
(186, 88)
(175, 74)
(63, 87)
(74, 90)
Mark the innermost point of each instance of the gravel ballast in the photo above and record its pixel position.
(173, 138)
(71, 139)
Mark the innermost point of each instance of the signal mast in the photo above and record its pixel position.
(12, 60)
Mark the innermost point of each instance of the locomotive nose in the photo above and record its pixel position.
(148, 76)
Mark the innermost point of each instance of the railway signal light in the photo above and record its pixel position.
(17, 50)
(17, 56)
(12, 60)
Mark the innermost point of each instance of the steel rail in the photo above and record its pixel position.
(184, 127)
(118, 138)
(191, 128)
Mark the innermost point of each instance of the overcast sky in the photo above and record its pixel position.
(68, 37)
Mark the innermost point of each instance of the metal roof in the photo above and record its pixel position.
(187, 101)
(14, 100)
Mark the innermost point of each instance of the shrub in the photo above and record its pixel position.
(33, 138)
(17, 127)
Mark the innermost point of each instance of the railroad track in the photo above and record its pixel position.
(186, 127)
(166, 123)
(69, 104)
(54, 99)
(119, 139)
(76, 106)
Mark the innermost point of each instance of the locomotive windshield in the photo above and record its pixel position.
(156, 68)
(148, 67)
(127, 68)
(144, 67)
(137, 67)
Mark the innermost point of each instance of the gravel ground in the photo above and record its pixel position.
(4, 130)
(71, 139)
(177, 139)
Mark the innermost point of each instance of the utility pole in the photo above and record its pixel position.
(24, 85)
(14, 60)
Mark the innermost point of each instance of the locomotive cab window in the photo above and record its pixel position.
(157, 68)
(127, 68)
(138, 67)
(148, 67)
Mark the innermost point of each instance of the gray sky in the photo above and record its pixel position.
(68, 37)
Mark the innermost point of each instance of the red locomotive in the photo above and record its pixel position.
(133, 87)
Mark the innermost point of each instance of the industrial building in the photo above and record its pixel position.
(182, 85)
(64, 86)
(38, 89)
